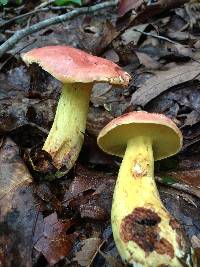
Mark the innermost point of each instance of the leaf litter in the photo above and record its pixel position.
(67, 222)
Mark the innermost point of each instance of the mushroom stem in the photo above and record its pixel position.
(67, 133)
(144, 232)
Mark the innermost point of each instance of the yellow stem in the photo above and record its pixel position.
(144, 232)
(66, 137)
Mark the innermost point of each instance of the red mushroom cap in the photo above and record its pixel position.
(165, 135)
(70, 65)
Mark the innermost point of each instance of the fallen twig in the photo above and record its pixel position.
(156, 36)
(52, 21)
(8, 22)
(33, 12)
(44, 4)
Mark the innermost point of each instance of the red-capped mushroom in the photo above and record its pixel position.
(78, 71)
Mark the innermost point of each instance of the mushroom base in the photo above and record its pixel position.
(66, 136)
(144, 232)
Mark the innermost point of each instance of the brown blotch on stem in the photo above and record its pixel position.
(141, 226)
(139, 167)
(164, 247)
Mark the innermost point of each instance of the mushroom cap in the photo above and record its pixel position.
(70, 65)
(166, 137)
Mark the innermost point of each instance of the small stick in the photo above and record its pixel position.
(16, 37)
(156, 36)
(35, 11)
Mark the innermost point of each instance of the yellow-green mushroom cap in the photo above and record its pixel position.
(166, 137)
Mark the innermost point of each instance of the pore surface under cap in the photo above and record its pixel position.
(70, 65)
(165, 135)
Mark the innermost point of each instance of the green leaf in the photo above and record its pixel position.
(168, 180)
(66, 2)
(18, 2)
(3, 2)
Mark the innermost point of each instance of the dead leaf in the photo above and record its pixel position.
(54, 244)
(148, 61)
(93, 155)
(190, 177)
(91, 193)
(18, 208)
(195, 241)
(97, 119)
(97, 35)
(48, 197)
(111, 55)
(90, 248)
(163, 81)
(133, 34)
(184, 208)
(127, 5)
(191, 118)
(113, 262)
(13, 172)
(169, 180)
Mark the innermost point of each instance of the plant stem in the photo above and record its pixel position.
(144, 232)
(66, 136)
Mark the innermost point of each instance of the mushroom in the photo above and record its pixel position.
(144, 232)
(78, 71)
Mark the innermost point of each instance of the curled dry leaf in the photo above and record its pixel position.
(54, 244)
(164, 80)
(90, 248)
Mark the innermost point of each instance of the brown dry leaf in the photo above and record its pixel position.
(195, 241)
(54, 244)
(91, 193)
(126, 5)
(191, 118)
(174, 183)
(97, 35)
(150, 9)
(190, 177)
(113, 262)
(184, 208)
(19, 210)
(97, 119)
(148, 61)
(90, 248)
(133, 34)
(163, 80)
(13, 172)
(111, 55)
(197, 252)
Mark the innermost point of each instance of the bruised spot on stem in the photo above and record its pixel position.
(164, 247)
(174, 224)
(139, 167)
(141, 226)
